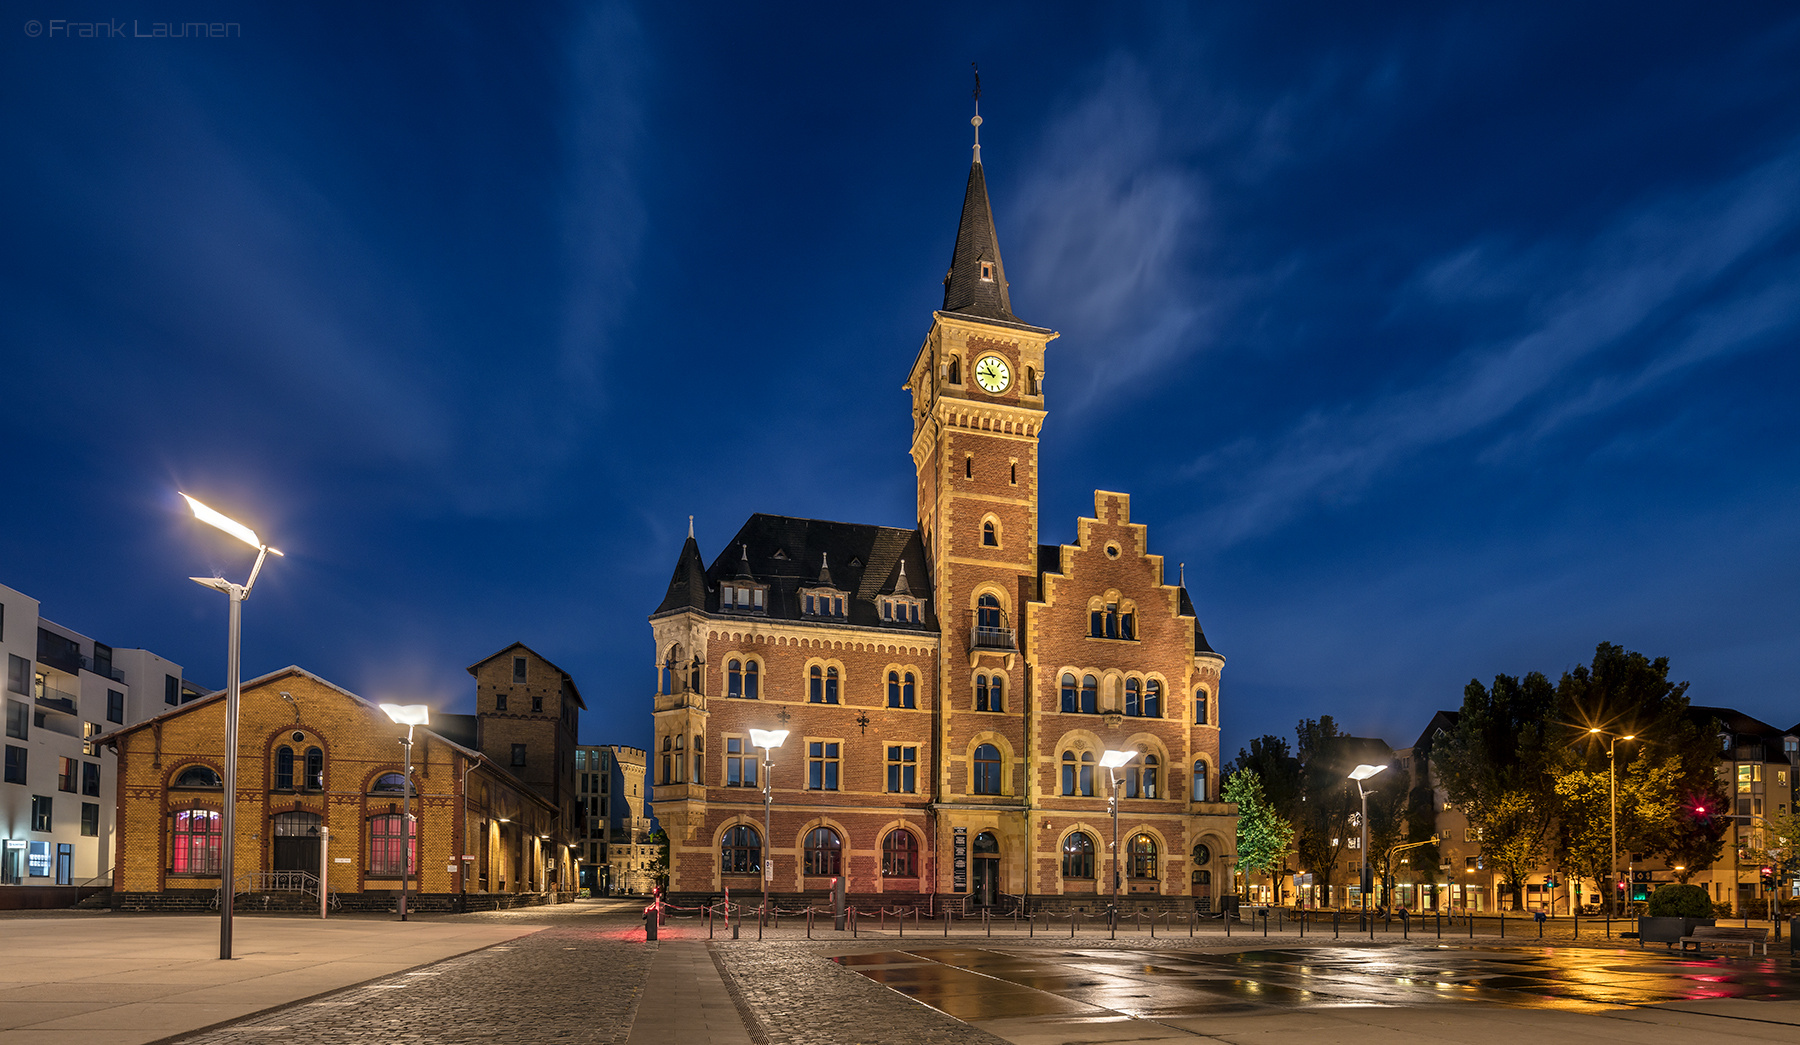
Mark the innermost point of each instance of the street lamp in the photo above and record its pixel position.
(768, 740)
(1612, 796)
(1112, 760)
(408, 715)
(1360, 774)
(237, 593)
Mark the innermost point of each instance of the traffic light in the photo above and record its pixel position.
(1768, 879)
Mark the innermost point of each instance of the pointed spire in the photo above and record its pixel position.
(976, 282)
(687, 586)
(900, 586)
(825, 570)
(743, 573)
(690, 527)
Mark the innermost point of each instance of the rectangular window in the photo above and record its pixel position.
(67, 774)
(40, 860)
(518, 754)
(90, 779)
(15, 764)
(822, 765)
(499, 702)
(90, 820)
(171, 690)
(18, 674)
(40, 812)
(740, 763)
(18, 720)
(902, 767)
(537, 704)
(89, 730)
(518, 671)
(385, 845)
(756, 598)
(115, 706)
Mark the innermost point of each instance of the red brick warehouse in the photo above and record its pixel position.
(948, 689)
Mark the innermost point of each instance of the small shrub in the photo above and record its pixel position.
(1680, 901)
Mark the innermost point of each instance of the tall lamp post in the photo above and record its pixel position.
(768, 740)
(237, 593)
(1112, 760)
(1612, 797)
(408, 715)
(1360, 774)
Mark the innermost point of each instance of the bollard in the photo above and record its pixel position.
(1334, 924)
(987, 923)
(1471, 920)
(1371, 927)
(900, 920)
(1405, 925)
(1072, 916)
(809, 921)
(1301, 915)
(1503, 925)
(1031, 926)
(851, 916)
(946, 923)
(1227, 917)
(1193, 916)
(650, 924)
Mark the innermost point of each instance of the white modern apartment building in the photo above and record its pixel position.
(56, 798)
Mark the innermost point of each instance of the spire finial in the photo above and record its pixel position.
(1184, 575)
(976, 122)
(690, 527)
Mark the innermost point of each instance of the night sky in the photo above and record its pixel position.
(1437, 342)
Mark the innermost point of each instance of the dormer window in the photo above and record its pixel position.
(899, 609)
(742, 598)
(987, 272)
(823, 603)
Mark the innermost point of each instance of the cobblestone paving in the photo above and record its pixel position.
(576, 982)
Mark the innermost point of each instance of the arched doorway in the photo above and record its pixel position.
(987, 869)
(296, 841)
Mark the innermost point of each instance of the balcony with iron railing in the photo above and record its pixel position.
(989, 629)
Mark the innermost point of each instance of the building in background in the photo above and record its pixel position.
(617, 855)
(56, 808)
(1757, 768)
(949, 688)
(527, 718)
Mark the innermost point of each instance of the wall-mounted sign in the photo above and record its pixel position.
(959, 860)
(340, 860)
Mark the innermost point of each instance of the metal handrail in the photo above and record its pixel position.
(303, 882)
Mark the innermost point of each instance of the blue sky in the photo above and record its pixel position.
(1436, 341)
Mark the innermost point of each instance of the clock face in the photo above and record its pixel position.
(992, 373)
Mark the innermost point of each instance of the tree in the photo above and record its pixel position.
(1277, 769)
(1495, 767)
(1263, 835)
(659, 868)
(1326, 798)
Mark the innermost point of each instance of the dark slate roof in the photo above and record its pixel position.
(1187, 610)
(965, 292)
(865, 562)
(1442, 722)
(1733, 720)
(687, 587)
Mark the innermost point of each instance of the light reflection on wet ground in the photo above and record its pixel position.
(972, 983)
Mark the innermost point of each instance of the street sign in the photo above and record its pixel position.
(959, 860)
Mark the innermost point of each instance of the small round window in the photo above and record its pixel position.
(1112, 550)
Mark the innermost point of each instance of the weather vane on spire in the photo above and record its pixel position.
(976, 122)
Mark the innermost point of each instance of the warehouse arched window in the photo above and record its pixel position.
(740, 850)
(390, 783)
(315, 770)
(824, 852)
(987, 770)
(284, 768)
(900, 854)
(1078, 856)
(198, 776)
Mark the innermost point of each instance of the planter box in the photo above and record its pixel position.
(1667, 931)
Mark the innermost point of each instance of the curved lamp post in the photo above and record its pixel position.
(1112, 760)
(408, 715)
(1360, 774)
(237, 593)
(768, 740)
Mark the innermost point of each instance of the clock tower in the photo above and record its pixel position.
(978, 406)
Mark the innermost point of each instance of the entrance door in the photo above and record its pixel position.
(296, 842)
(987, 870)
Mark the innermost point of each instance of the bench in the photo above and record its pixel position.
(1712, 937)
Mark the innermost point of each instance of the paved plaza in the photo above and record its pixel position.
(583, 973)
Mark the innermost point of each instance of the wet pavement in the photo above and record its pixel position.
(1018, 993)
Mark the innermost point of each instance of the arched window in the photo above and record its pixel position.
(981, 693)
(680, 761)
(194, 845)
(667, 775)
(1087, 774)
(315, 770)
(824, 852)
(815, 683)
(1134, 705)
(900, 854)
(969, 467)
(831, 685)
(740, 851)
(668, 672)
(699, 759)
(1096, 622)
(1141, 857)
(1031, 385)
(1128, 625)
(1200, 703)
(752, 678)
(893, 689)
(284, 768)
(696, 676)
(1200, 775)
(987, 770)
(387, 848)
(1152, 699)
(1068, 773)
(1071, 697)
(990, 536)
(986, 844)
(734, 678)
(1151, 767)
(908, 691)
(198, 776)
(1078, 856)
(987, 612)
(955, 370)
(1090, 695)
(997, 693)
(389, 782)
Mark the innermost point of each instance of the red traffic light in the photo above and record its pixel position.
(1699, 810)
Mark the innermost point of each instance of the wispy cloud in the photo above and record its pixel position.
(1665, 280)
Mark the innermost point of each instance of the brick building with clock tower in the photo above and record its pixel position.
(947, 689)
